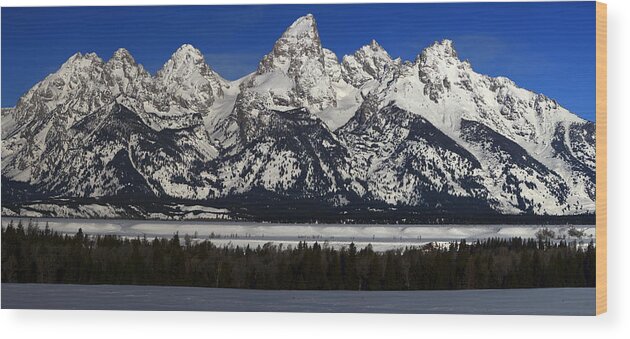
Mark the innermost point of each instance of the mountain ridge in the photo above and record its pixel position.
(367, 130)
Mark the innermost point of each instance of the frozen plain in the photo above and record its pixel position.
(544, 301)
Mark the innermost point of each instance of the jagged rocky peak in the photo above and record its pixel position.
(75, 84)
(439, 68)
(295, 73)
(79, 59)
(188, 51)
(186, 56)
(299, 42)
(78, 62)
(127, 76)
(122, 54)
(186, 81)
(185, 59)
(303, 28)
(375, 48)
(123, 60)
(370, 62)
(440, 57)
(439, 49)
(189, 61)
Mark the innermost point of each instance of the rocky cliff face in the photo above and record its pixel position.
(429, 134)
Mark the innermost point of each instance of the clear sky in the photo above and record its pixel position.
(545, 47)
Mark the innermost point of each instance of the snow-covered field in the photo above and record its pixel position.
(382, 237)
(547, 301)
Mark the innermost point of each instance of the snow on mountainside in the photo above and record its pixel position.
(294, 152)
(431, 135)
(446, 91)
(299, 72)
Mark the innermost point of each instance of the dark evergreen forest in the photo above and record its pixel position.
(34, 255)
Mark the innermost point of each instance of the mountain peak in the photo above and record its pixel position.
(184, 60)
(80, 60)
(299, 44)
(441, 49)
(187, 50)
(122, 59)
(79, 56)
(122, 54)
(305, 25)
(302, 31)
(185, 57)
(92, 56)
(368, 63)
(375, 45)
(374, 48)
(186, 81)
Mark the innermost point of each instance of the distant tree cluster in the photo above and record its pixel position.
(33, 255)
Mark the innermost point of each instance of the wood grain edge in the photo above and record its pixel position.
(601, 157)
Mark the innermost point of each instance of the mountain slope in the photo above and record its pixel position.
(295, 154)
(446, 92)
(405, 160)
(125, 157)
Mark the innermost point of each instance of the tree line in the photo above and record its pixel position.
(34, 255)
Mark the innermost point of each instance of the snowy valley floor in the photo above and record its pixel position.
(381, 237)
(543, 301)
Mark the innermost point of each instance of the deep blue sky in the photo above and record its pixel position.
(545, 47)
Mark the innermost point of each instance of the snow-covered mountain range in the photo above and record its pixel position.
(429, 135)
